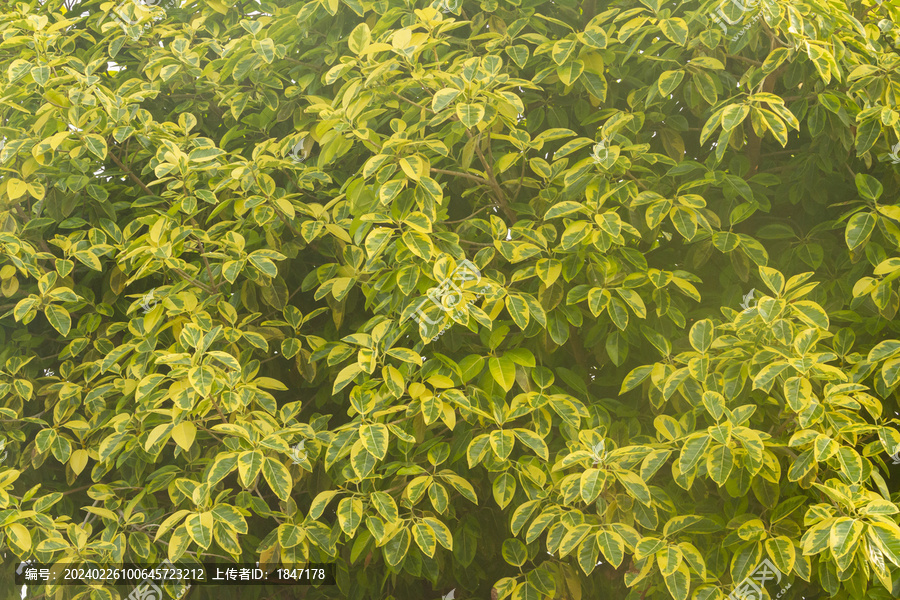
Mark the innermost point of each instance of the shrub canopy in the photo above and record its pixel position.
(517, 299)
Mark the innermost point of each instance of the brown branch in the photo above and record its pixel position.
(25, 220)
(480, 180)
(480, 210)
(636, 180)
(208, 269)
(130, 174)
(286, 221)
(190, 279)
(422, 106)
(492, 181)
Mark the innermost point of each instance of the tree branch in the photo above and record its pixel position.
(209, 274)
(492, 181)
(134, 177)
(480, 180)
(190, 279)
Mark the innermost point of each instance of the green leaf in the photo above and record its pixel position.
(859, 229)
(562, 50)
(693, 450)
(701, 335)
(514, 552)
(202, 379)
(685, 222)
(278, 478)
(618, 313)
(96, 145)
(290, 535)
(503, 370)
(249, 465)
(397, 547)
(782, 552)
(424, 538)
(734, 115)
(811, 313)
(719, 464)
(359, 39)
(224, 464)
(678, 583)
(675, 29)
(669, 81)
(533, 441)
(502, 442)
(59, 318)
(635, 378)
(442, 99)
(612, 545)
(350, 514)
(199, 527)
(635, 486)
(504, 487)
(470, 114)
(375, 438)
(773, 279)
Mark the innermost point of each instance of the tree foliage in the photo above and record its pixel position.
(521, 299)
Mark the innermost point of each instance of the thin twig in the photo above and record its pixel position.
(190, 279)
(413, 102)
(134, 177)
(492, 181)
(634, 179)
(480, 210)
(480, 180)
(208, 269)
